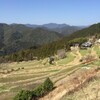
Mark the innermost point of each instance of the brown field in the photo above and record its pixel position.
(27, 75)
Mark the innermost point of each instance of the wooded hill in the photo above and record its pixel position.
(87, 32)
(17, 37)
(51, 48)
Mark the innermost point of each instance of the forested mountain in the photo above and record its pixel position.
(90, 31)
(63, 29)
(17, 37)
(23, 38)
(51, 48)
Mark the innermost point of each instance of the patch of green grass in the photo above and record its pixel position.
(97, 49)
(97, 63)
(2, 88)
(66, 60)
(85, 52)
(53, 70)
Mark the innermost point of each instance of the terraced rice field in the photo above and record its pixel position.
(27, 75)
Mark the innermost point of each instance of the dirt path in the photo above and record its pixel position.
(75, 62)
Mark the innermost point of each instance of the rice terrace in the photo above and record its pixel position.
(27, 75)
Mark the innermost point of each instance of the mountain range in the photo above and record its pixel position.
(17, 37)
(63, 29)
(45, 50)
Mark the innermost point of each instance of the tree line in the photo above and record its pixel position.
(43, 51)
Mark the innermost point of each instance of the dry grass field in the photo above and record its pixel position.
(27, 75)
(91, 91)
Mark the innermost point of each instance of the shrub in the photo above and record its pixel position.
(36, 93)
(43, 88)
(23, 95)
(48, 85)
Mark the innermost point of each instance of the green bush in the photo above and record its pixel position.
(23, 95)
(48, 85)
(37, 92)
(43, 88)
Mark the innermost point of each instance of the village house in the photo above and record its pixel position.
(86, 44)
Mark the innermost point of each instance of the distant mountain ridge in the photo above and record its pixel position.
(63, 29)
(49, 25)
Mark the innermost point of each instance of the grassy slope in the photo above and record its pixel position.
(97, 49)
(66, 60)
(89, 92)
(85, 52)
(34, 73)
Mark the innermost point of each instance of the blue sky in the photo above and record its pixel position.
(73, 12)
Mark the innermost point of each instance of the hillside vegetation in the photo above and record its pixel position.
(23, 38)
(28, 75)
(16, 37)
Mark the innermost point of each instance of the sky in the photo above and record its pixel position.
(72, 12)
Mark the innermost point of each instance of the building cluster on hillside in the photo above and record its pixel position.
(91, 41)
(86, 44)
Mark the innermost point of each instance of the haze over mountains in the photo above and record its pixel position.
(63, 29)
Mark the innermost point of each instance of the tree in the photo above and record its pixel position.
(37, 92)
(48, 85)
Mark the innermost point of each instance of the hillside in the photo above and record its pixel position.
(90, 31)
(27, 75)
(51, 48)
(16, 37)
